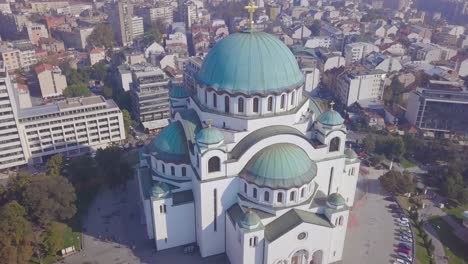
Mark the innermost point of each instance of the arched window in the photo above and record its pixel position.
(302, 192)
(226, 104)
(184, 171)
(214, 164)
(163, 168)
(206, 97)
(340, 221)
(215, 100)
(330, 183)
(240, 105)
(283, 101)
(172, 170)
(254, 192)
(293, 97)
(255, 105)
(270, 104)
(266, 196)
(292, 196)
(245, 187)
(334, 144)
(279, 198)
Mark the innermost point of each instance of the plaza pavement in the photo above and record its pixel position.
(114, 233)
(371, 228)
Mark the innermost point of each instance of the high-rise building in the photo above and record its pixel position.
(137, 27)
(122, 22)
(359, 85)
(11, 146)
(150, 95)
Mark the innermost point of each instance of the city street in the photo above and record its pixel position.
(371, 228)
(114, 233)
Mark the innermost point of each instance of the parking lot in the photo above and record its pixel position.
(373, 232)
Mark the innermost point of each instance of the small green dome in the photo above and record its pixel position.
(171, 142)
(280, 166)
(209, 135)
(331, 118)
(350, 154)
(465, 214)
(179, 92)
(249, 63)
(335, 199)
(250, 220)
(160, 189)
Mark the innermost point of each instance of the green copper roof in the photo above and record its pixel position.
(171, 144)
(179, 92)
(280, 166)
(336, 199)
(250, 220)
(331, 118)
(209, 135)
(160, 189)
(350, 154)
(250, 62)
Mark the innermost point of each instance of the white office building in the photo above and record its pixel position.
(356, 52)
(360, 85)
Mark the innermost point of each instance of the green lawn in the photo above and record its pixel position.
(457, 213)
(421, 253)
(71, 238)
(455, 249)
(406, 163)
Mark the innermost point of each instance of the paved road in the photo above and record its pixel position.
(115, 234)
(371, 229)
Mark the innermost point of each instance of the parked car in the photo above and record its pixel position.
(405, 256)
(404, 245)
(403, 219)
(404, 229)
(403, 250)
(403, 224)
(405, 233)
(406, 239)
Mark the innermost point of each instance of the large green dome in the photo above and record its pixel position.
(171, 143)
(280, 166)
(249, 63)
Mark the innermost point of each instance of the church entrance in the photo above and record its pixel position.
(300, 257)
(317, 257)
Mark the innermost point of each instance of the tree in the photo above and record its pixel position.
(369, 144)
(84, 174)
(393, 93)
(15, 234)
(99, 71)
(315, 28)
(49, 199)
(16, 186)
(115, 170)
(76, 90)
(397, 182)
(107, 92)
(127, 120)
(54, 165)
(102, 36)
(52, 238)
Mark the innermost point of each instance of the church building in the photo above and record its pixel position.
(249, 165)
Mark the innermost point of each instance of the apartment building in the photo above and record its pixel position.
(441, 109)
(356, 52)
(165, 13)
(137, 27)
(121, 20)
(73, 126)
(36, 31)
(11, 145)
(11, 58)
(50, 79)
(150, 94)
(45, 6)
(359, 85)
(191, 67)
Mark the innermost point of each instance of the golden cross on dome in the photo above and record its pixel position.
(209, 120)
(251, 7)
(331, 105)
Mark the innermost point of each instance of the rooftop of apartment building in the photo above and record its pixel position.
(67, 105)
